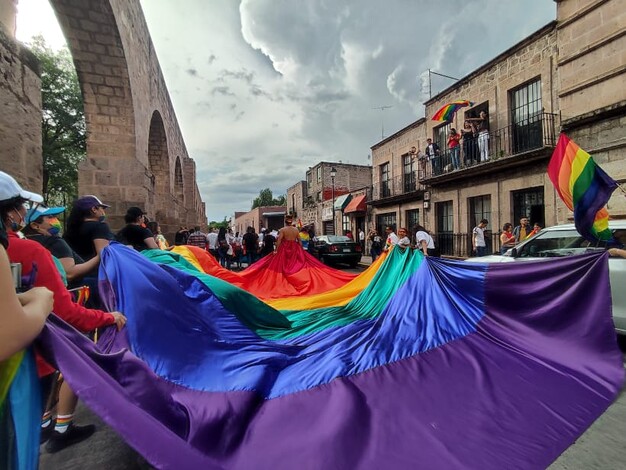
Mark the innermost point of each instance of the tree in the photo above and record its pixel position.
(266, 198)
(63, 123)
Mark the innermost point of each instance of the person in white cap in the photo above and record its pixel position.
(22, 315)
(43, 226)
(29, 254)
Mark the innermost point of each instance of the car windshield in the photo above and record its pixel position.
(555, 243)
(338, 238)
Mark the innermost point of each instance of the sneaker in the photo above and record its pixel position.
(46, 432)
(74, 434)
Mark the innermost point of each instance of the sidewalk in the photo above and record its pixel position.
(365, 261)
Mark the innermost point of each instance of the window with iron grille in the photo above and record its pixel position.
(319, 196)
(526, 114)
(319, 174)
(382, 220)
(412, 219)
(479, 208)
(408, 173)
(529, 203)
(445, 217)
(445, 227)
(345, 223)
(440, 136)
(385, 190)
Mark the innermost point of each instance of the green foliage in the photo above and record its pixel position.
(63, 123)
(266, 198)
(224, 223)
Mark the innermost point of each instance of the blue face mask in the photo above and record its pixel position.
(101, 218)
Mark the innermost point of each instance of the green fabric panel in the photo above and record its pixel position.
(252, 312)
(61, 270)
(392, 274)
(583, 181)
(8, 369)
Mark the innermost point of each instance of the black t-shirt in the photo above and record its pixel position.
(134, 235)
(268, 244)
(58, 247)
(250, 241)
(89, 231)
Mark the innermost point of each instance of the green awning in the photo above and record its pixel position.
(342, 201)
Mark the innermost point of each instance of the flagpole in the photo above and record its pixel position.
(621, 187)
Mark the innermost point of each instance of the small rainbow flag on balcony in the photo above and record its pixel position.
(446, 113)
(584, 188)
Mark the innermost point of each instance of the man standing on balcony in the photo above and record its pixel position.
(478, 238)
(434, 155)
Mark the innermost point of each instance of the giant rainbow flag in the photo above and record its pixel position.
(427, 363)
(584, 188)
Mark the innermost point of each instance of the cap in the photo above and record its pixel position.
(9, 189)
(40, 211)
(134, 212)
(87, 202)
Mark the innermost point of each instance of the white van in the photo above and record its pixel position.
(564, 240)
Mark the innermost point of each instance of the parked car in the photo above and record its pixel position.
(564, 240)
(332, 249)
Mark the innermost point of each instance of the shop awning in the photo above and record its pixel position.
(357, 204)
(342, 201)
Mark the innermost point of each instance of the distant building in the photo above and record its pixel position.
(569, 75)
(269, 217)
(320, 200)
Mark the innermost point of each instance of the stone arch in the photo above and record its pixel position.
(158, 158)
(179, 186)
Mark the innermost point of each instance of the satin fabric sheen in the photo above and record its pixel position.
(440, 364)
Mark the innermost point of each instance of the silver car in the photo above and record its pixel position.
(564, 240)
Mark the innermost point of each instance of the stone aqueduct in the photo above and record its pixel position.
(136, 154)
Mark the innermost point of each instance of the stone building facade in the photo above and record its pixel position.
(570, 75)
(320, 199)
(269, 217)
(20, 111)
(136, 155)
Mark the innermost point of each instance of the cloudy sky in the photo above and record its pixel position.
(263, 89)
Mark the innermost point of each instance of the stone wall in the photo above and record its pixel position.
(136, 154)
(20, 113)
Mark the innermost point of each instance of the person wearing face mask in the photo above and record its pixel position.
(31, 255)
(43, 226)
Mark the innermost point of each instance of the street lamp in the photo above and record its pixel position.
(333, 173)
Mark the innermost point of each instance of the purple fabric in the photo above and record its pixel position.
(542, 366)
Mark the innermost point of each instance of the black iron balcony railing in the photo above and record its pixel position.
(400, 185)
(459, 245)
(530, 134)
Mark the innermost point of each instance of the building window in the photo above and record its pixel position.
(382, 220)
(408, 173)
(445, 227)
(319, 196)
(319, 174)
(479, 208)
(526, 114)
(440, 137)
(309, 181)
(385, 190)
(529, 203)
(345, 223)
(412, 220)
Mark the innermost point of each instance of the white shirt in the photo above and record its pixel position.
(479, 234)
(421, 235)
(212, 239)
(361, 236)
(392, 239)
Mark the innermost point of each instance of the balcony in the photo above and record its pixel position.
(515, 145)
(403, 187)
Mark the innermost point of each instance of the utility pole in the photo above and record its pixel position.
(382, 123)
(430, 84)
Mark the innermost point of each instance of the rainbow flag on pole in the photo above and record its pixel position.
(584, 188)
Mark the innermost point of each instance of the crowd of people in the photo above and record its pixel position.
(472, 141)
